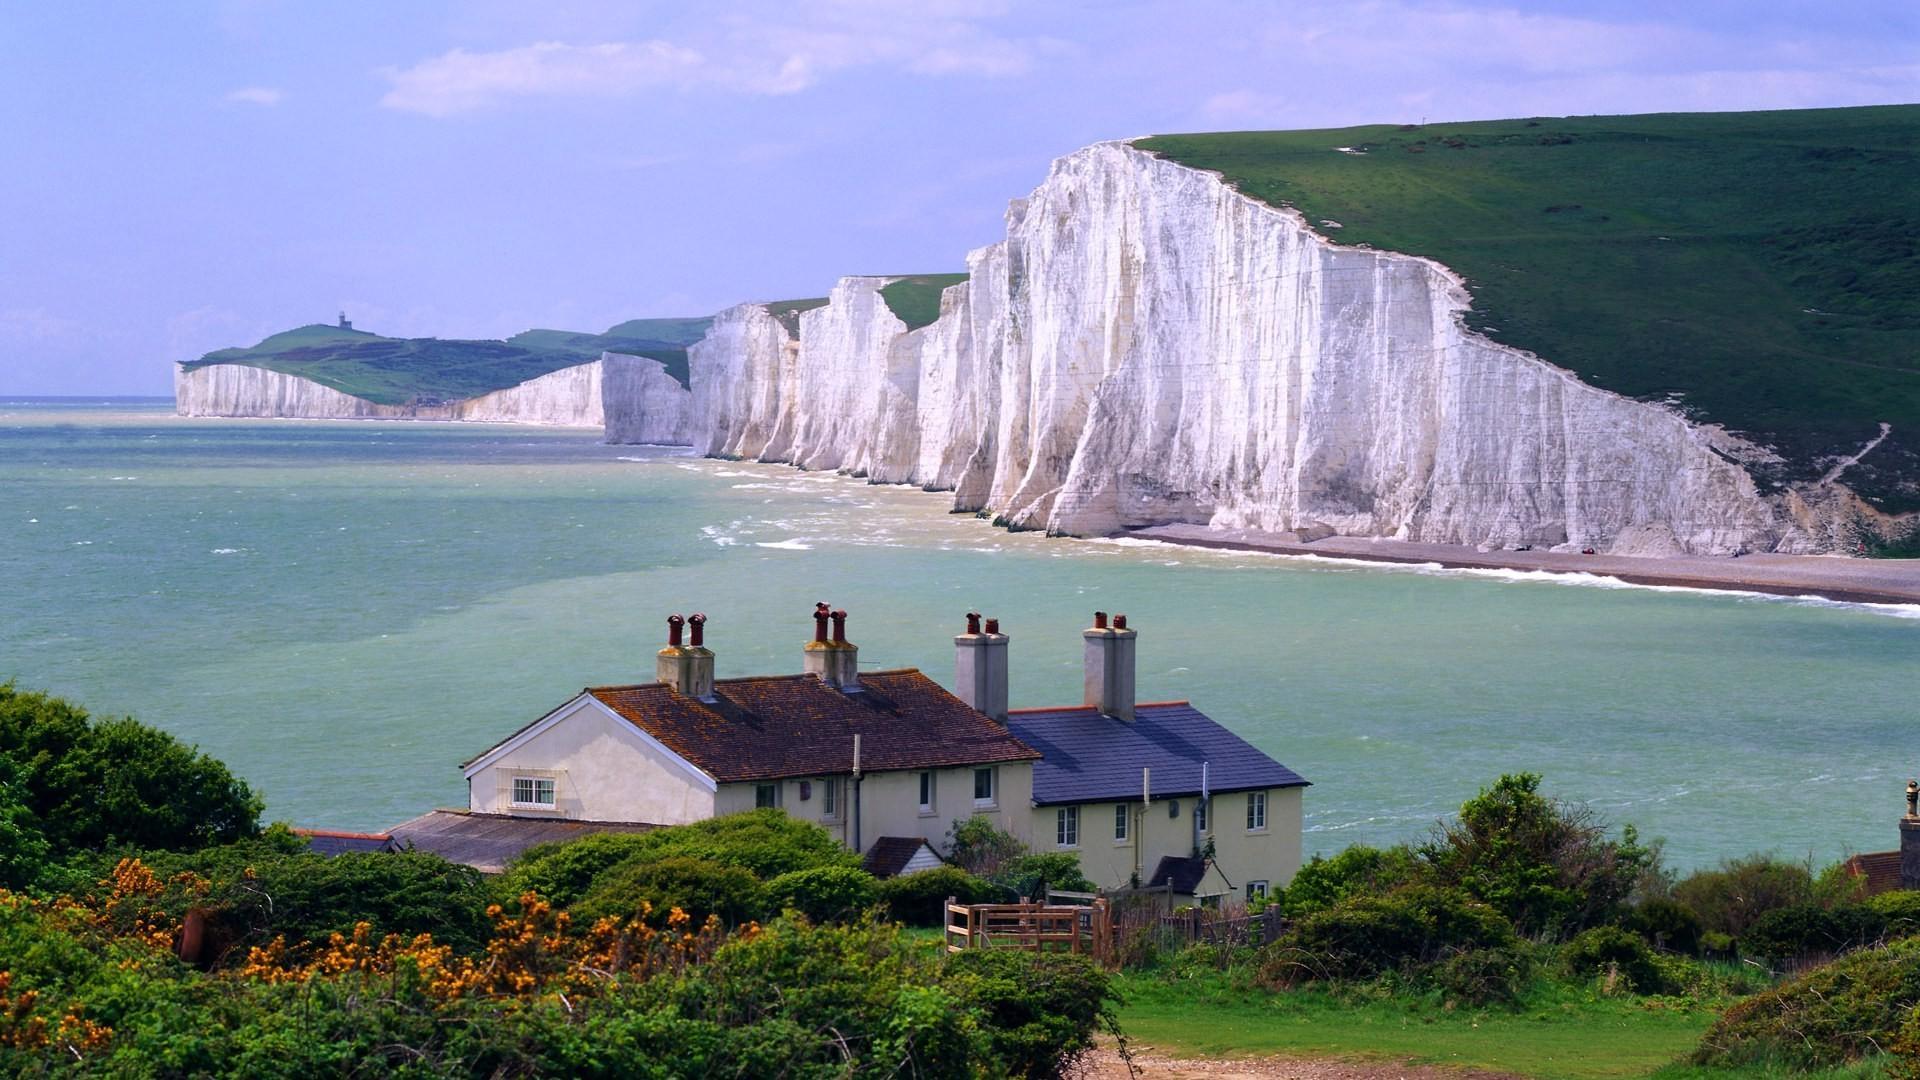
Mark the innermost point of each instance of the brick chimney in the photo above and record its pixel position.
(980, 667)
(1109, 670)
(1910, 841)
(686, 666)
(833, 658)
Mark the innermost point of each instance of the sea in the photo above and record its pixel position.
(346, 611)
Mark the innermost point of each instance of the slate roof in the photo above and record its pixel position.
(1087, 757)
(1183, 872)
(770, 727)
(331, 842)
(1881, 869)
(488, 842)
(890, 854)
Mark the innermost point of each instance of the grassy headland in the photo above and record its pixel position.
(915, 299)
(1762, 269)
(399, 371)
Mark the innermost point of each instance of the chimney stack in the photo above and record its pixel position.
(1910, 840)
(686, 668)
(836, 661)
(980, 667)
(1109, 670)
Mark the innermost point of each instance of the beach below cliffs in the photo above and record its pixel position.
(1858, 581)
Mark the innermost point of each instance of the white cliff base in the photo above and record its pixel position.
(631, 397)
(1148, 346)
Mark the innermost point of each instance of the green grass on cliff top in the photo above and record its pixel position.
(915, 299)
(399, 371)
(1762, 269)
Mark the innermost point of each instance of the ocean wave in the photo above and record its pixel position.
(785, 545)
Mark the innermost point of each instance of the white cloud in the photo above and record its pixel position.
(257, 95)
(758, 57)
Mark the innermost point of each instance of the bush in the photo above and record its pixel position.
(1366, 936)
(921, 899)
(1667, 924)
(89, 784)
(1484, 976)
(1032, 875)
(1837, 1013)
(1729, 899)
(1546, 866)
(698, 887)
(1807, 930)
(1613, 952)
(1900, 910)
(1040, 1011)
(980, 847)
(766, 843)
(826, 893)
(1324, 882)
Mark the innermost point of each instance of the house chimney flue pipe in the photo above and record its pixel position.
(839, 627)
(696, 623)
(820, 612)
(1109, 667)
(837, 661)
(980, 668)
(674, 623)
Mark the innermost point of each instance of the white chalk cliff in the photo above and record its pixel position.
(632, 397)
(1149, 346)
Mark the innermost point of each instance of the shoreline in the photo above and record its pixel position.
(1825, 577)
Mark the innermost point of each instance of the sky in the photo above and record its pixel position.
(185, 176)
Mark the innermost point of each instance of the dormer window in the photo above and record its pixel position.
(534, 793)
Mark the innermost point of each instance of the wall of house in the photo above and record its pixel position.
(890, 803)
(601, 773)
(1240, 856)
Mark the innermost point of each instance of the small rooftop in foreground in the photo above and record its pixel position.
(488, 842)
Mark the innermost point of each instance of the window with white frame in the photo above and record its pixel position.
(926, 793)
(1256, 811)
(983, 784)
(1122, 814)
(830, 798)
(1200, 815)
(1066, 827)
(1256, 890)
(765, 795)
(534, 792)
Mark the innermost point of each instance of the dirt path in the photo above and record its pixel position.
(1150, 1065)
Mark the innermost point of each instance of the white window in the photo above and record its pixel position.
(765, 795)
(1200, 814)
(1256, 811)
(1066, 827)
(535, 792)
(1256, 890)
(926, 793)
(830, 798)
(983, 787)
(1121, 814)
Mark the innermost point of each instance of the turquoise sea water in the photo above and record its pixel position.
(346, 611)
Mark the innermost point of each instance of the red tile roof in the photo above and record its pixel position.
(889, 855)
(768, 727)
(1880, 868)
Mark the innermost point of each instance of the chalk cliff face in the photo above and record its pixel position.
(632, 397)
(1149, 346)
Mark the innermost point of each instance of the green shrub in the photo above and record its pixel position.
(698, 887)
(1667, 924)
(1039, 1011)
(1032, 875)
(1365, 936)
(1324, 882)
(825, 893)
(766, 843)
(1900, 910)
(921, 899)
(92, 783)
(1807, 930)
(1481, 977)
(980, 847)
(1614, 952)
(1837, 1013)
(1729, 899)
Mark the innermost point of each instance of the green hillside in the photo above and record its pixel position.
(400, 371)
(915, 299)
(788, 311)
(1761, 269)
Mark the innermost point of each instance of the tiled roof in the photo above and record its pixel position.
(1880, 868)
(331, 842)
(488, 842)
(1087, 757)
(1183, 872)
(890, 854)
(769, 727)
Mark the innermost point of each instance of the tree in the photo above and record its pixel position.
(92, 783)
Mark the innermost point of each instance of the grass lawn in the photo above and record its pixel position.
(915, 300)
(1761, 268)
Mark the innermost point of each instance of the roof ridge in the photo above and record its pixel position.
(1052, 708)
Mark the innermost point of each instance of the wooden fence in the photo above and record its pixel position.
(1072, 928)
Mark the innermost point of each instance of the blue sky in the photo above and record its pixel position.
(181, 176)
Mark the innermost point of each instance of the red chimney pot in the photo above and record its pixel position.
(820, 621)
(993, 626)
(674, 622)
(698, 622)
(1099, 620)
(840, 626)
(973, 622)
(1119, 622)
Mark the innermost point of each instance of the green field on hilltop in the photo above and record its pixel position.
(1760, 269)
(915, 299)
(788, 312)
(400, 371)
